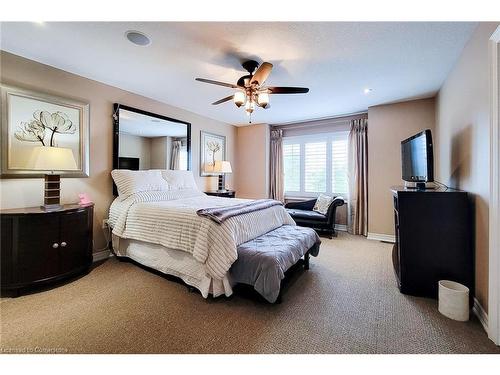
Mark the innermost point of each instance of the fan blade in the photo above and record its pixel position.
(216, 83)
(262, 73)
(287, 90)
(227, 98)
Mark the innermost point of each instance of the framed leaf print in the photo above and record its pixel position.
(31, 119)
(212, 149)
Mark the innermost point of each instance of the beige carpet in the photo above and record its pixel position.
(346, 303)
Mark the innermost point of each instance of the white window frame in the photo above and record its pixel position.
(320, 137)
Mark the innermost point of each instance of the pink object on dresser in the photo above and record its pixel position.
(84, 198)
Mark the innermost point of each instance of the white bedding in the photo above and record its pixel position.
(173, 262)
(169, 218)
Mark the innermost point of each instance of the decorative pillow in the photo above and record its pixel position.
(129, 182)
(179, 180)
(322, 204)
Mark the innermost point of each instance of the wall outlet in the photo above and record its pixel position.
(105, 224)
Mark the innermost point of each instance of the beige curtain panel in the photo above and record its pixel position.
(277, 188)
(357, 220)
(175, 155)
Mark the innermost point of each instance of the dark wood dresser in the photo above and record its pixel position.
(434, 234)
(39, 247)
(225, 194)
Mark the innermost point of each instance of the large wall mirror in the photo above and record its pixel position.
(144, 140)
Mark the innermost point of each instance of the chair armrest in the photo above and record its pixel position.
(330, 214)
(338, 201)
(304, 205)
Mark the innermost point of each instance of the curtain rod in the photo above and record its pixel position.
(305, 122)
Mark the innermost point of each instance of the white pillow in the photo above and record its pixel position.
(179, 180)
(322, 204)
(129, 182)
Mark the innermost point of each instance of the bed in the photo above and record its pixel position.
(156, 222)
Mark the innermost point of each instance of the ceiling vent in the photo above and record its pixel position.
(138, 38)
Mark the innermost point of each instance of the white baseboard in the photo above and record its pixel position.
(341, 227)
(101, 255)
(478, 310)
(381, 237)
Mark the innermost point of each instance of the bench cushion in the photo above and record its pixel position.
(263, 261)
(307, 215)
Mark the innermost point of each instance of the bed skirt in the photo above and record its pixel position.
(172, 262)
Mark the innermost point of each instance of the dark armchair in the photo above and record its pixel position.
(303, 214)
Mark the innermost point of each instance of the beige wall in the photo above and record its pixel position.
(388, 125)
(463, 139)
(15, 70)
(160, 153)
(137, 147)
(252, 161)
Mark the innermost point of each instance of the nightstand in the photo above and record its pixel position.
(40, 247)
(224, 194)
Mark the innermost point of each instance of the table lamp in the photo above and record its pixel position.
(52, 159)
(222, 167)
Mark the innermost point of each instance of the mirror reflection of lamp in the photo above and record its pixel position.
(222, 167)
(53, 159)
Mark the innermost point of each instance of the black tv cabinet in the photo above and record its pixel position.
(433, 240)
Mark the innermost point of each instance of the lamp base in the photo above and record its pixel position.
(52, 193)
(51, 207)
(222, 184)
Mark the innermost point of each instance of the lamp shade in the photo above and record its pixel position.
(51, 159)
(222, 166)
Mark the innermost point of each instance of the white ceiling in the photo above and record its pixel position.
(150, 127)
(336, 60)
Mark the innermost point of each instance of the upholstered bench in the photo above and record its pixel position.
(263, 261)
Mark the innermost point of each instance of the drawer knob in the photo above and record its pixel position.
(63, 244)
(55, 245)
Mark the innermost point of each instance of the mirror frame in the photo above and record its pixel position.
(116, 133)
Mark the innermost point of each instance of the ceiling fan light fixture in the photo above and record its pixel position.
(263, 99)
(249, 107)
(239, 98)
(250, 89)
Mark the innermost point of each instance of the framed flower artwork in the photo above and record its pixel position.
(212, 149)
(31, 119)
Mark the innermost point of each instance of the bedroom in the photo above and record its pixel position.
(169, 177)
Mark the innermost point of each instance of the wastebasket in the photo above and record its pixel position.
(454, 300)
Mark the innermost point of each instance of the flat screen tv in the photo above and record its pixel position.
(418, 159)
(128, 163)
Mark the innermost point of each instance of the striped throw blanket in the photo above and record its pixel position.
(221, 214)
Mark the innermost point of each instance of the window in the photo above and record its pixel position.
(315, 164)
(183, 159)
(314, 168)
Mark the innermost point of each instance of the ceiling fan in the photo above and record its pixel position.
(250, 88)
